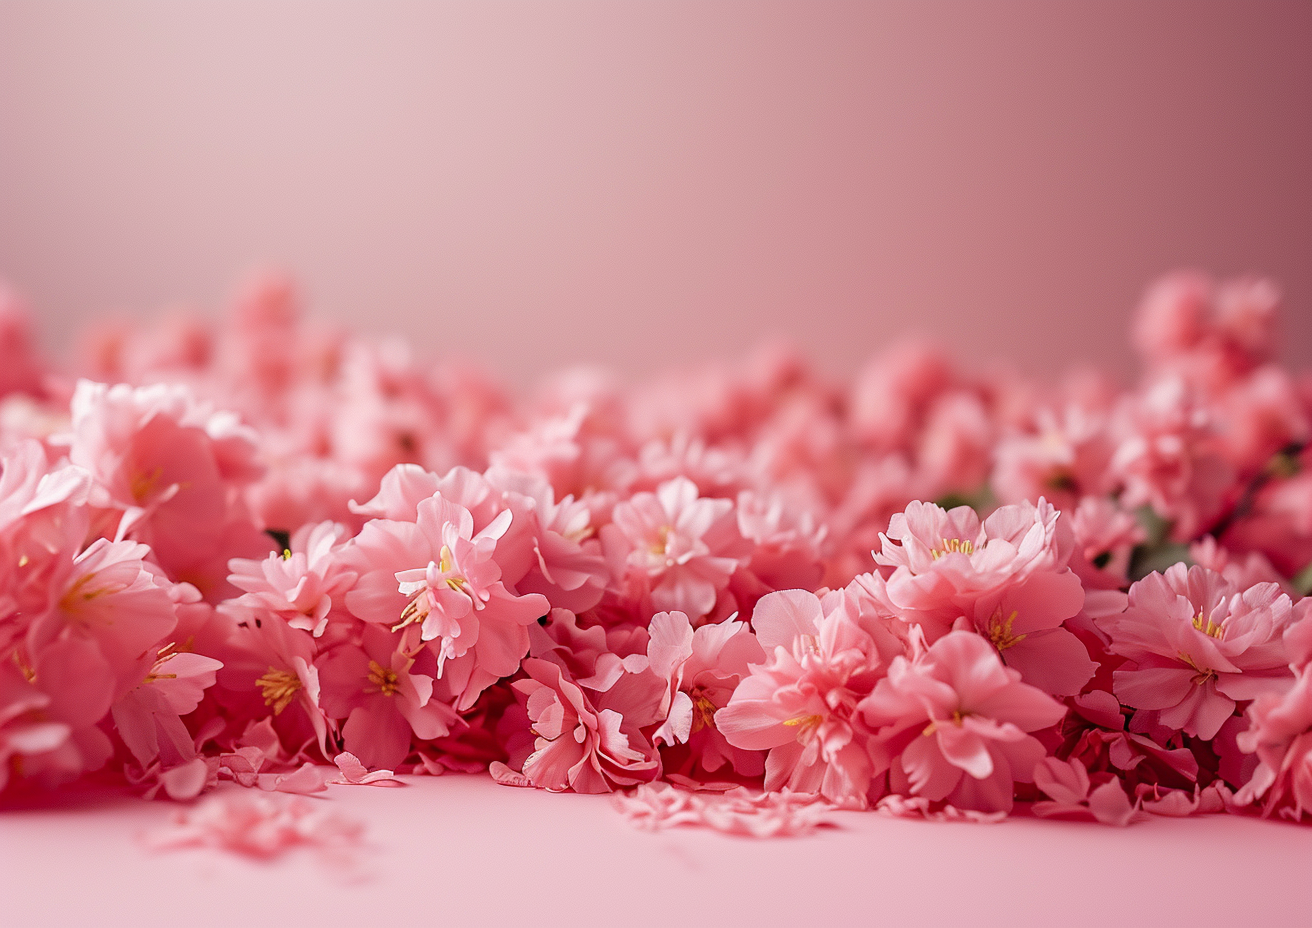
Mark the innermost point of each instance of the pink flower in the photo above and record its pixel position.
(299, 584)
(170, 466)
(1168, 458)
(1074, 794)
(578, 747)
(799, 705)
(1064, 459)
(1023, 621)
(945, 562)
(24, 728)
(951, 724)
(1210, 331)
(1280, 734)
(675, 548)
(1199, 645)
(568, 567)
(149, 719)
(385, 695)
(439, 578)
(700, 669)
(270, 669)
(111, 596)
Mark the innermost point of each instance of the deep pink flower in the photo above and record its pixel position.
(1199, 644)
(577, 746)
(952, 724)
(385, 696)
(1074, 794)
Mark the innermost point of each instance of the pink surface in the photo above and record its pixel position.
(644, 184)
(463, 851)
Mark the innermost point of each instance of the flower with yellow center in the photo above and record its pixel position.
(999, 630)
(279, 688)
(382, 680)
(953, 546)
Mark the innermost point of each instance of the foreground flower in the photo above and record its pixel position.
(945, 561)
(700, 670)
(439, 578)
(799, 705)
(1280, 734)
(674, 547)
(577, 746)
(952, 724)
(1199, 645)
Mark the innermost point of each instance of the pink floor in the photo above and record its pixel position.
(463, 851)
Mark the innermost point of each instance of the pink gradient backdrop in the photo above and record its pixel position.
(643, 184)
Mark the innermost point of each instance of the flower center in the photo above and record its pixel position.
(954, 546)
(1208, 628)
(445, 562)
(162, 657)
(704, 711)
(999, 630)
(957, 716)
(382, 679)
(82, 591)
(1201, 674)
(804, 722)
(417, 609)
(279, 688)
(662, 541)
(142, 485)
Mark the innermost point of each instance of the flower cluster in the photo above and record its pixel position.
(249, 548)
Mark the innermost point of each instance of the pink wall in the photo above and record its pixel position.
(646, 183)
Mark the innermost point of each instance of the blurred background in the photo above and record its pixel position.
(645, 185)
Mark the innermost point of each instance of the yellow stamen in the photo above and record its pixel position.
(932, 727)
(999, 630)
(279, 688)
(704, 711)
(383, 680)
(1201, 674)
(1208, 627)
(804, 721)
(142, 485)
(411, 613)
(78, 592)
(163, 656)
(954, 546)
(25, 668)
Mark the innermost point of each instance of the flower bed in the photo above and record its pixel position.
(249, 549)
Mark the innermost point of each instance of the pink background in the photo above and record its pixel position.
(645, 184)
